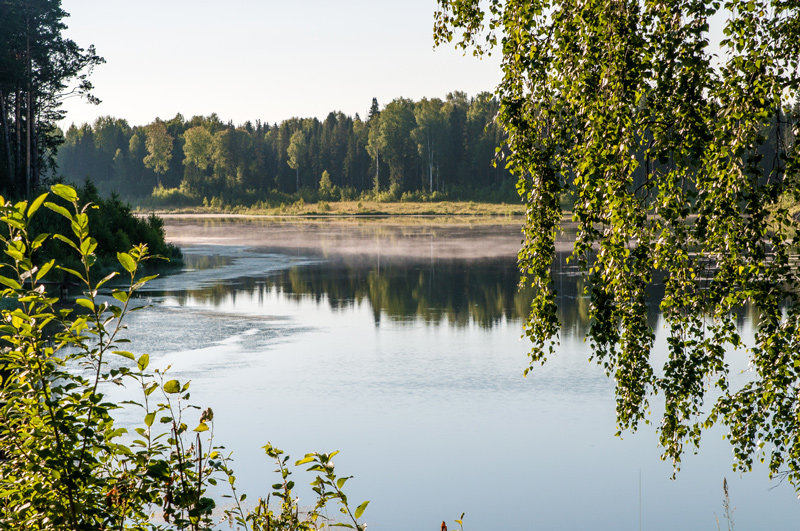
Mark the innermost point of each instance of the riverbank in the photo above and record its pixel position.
(359, 208)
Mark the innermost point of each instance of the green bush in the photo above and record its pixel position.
(173, 197)
(65, 464)
(115, 227)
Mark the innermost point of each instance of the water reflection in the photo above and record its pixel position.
(457, 291)
(276, 329)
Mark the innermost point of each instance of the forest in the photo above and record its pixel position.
(409, 150)
(424, 150)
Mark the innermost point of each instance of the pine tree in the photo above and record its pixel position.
(37, 65)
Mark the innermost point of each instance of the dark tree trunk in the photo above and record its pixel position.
(28, 119)
(18, 148)
(28, 134)
(36, 159)
(6, 139)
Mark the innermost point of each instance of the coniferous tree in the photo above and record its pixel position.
(374, 110)
(37, 64)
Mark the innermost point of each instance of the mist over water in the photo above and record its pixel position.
(399, 344)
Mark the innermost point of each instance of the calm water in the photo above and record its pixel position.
(400, 346)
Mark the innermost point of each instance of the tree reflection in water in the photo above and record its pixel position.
(459, 292)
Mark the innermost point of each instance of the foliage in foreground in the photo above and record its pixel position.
(658, 136)
(65, 463)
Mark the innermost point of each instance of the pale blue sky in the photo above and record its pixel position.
(267, 59)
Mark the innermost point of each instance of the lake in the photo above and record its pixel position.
(398, 343)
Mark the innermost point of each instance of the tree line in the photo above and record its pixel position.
(430, 147)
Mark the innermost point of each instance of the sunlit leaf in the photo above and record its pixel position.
(124, 354)
(65, 192)
(36, 204)
(360, 509)
(59, 209)
(172, 386)
(127, 262)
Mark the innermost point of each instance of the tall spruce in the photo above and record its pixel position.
(39, 67)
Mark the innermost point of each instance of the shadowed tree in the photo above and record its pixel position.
(37, 66)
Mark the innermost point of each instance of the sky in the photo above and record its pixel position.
(264, 59)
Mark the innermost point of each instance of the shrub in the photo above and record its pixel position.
(174, 197)
(65, 464)
(114, 228)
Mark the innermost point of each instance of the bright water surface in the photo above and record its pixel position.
(400, 346)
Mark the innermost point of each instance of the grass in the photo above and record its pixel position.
(363, 208)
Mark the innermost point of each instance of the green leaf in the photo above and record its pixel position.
(39, 240)
(107, 278)
(201, 427)
(10, 282)
(360, 509)
(66, 240)
(15, 253)
(59, 209)
(303, 461)
(88, 246)
(86, 303)
(72, 272)
(65, 192)
(172, 387)
(36, 204)
(144, 361)
(127, 262)
(121, 296)
(124, 354)
(47, 266)
(148, 419)
(81, 220)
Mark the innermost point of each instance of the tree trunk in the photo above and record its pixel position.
(28, 120)
(28, 129)
(6, 137)
(35, 166)
(430, 166)
(18, 147)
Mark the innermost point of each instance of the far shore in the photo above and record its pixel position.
(323, 209)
